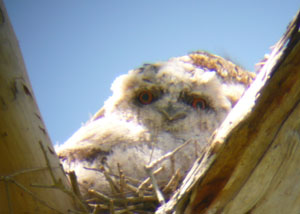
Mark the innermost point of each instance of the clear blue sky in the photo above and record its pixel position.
(74, 49)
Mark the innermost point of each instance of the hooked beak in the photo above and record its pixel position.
(171, 113)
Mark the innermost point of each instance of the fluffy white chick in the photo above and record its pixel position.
(153, 110)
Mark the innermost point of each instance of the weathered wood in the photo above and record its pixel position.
(29, 166)
(253, 163)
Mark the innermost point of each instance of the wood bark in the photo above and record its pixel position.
(253, 163)
(31, 178)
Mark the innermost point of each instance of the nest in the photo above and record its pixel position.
(130, 195)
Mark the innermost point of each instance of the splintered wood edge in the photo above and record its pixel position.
(244, 127)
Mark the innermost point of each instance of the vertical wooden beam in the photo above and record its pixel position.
(31, 178)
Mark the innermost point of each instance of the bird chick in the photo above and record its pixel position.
(153, 110)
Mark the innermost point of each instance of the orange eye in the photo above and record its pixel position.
(195, 101)
(199, 103)
(145, 97)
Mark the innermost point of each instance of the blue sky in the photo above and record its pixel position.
(74, 49)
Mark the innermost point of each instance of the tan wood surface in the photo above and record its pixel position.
(31, 179)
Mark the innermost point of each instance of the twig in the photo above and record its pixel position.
(173, 183)
(34, 196)
(132, 199)
(114, 187)
(158, 193)
(131, 187)
(10, 207)
(141, 186)
(99, 195)
(96, 209)
(167, 155)
(122, 185)
(58, 182)
(150, 167)
(9, 178)
(47, 161)
(120, 202)
(74, 183)
(111, 207)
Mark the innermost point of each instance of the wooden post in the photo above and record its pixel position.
(31, 178)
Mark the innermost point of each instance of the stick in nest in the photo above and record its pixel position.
(140, 196)
(150, 167)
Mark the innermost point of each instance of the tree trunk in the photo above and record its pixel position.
(31, 178)
(253, 163)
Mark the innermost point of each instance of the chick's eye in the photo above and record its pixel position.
(145, 97)
(199, 103)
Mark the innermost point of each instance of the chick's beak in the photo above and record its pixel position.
(172, 113)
